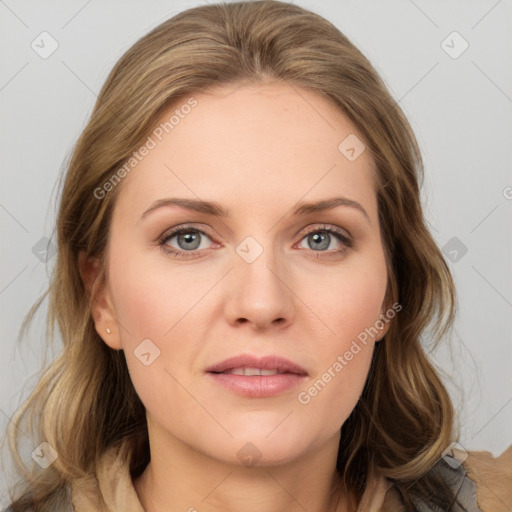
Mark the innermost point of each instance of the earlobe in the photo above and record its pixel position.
(102, 311)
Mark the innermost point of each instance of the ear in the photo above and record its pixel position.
(95, 282)
(382, 325)
(387, 313)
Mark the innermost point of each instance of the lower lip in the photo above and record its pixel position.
(258, 386)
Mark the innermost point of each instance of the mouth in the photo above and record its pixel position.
(251, 371)
(257, 377)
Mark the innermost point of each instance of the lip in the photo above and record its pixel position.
(271, 362)
(257, 386)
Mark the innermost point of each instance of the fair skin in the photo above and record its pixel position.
(256, 151)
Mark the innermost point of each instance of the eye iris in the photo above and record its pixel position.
(321, 238)
(189, 238)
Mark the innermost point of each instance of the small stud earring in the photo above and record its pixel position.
(108, 331)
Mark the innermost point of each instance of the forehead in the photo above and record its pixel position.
(248, 142)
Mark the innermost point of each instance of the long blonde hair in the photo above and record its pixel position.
(403, 420)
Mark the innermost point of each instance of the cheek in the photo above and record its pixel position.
(343, 363)
(350, 300)
(333, 393)
(154, 309)
(351, 309)
(149, 300)
(141, 308)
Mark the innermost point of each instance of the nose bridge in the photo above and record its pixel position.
(260, 295)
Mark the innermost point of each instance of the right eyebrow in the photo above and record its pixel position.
(208, 207)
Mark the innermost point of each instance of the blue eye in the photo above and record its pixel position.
(320, 239)
(189, 240)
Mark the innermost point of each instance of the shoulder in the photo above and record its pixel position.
(492, 477)
(480, 481)
(111, 486)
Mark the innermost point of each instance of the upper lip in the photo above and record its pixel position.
(271, 362)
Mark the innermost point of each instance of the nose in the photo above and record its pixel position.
(259, 292)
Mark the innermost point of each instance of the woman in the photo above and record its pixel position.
(243, 276)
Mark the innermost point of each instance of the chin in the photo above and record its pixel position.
(260, 450)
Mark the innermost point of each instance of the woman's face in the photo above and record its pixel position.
(264, 283)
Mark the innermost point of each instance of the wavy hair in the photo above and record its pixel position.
(404, 418)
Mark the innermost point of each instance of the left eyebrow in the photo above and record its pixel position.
(328, 204)
(212, 208)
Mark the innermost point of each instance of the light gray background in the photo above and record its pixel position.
(460, 109)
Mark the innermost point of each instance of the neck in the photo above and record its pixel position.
(178, 478)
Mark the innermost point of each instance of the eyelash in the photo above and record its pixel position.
(332, 230)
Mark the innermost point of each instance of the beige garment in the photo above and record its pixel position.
(113, 490)
(493, 479)
(491, 476)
